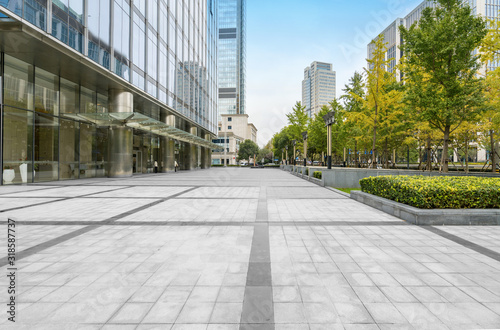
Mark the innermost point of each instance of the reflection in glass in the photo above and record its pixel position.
(70, 100)
(69, 141)
(46, 92)
(87, 165)
(46, 148)
(18, 78)
(17, 144)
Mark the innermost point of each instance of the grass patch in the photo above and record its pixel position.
(347, 190)
(436, 192)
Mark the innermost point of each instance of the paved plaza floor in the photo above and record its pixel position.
(235, 248)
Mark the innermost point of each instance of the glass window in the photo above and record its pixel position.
(152, 54)
(35, 12)
(46, 153)
(153, 13)
(15, 6)
(70, 97)
(18, 79)
(87, 165)
(46, 92)
(139, 42)
(68, 149)
(87, 100)
(17, 145)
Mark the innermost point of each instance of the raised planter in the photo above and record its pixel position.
(8, 176)
(474, 217)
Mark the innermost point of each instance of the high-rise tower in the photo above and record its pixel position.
(318, 86)
(231, 56)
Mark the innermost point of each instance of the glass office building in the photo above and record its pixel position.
(318, 87)
(486, 8)
(93, 88)
(231, 56)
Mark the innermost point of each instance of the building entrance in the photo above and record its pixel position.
(136, 162)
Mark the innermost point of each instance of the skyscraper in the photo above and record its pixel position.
(486, 8)
(231, 56)
(94, 88)
(318, 86)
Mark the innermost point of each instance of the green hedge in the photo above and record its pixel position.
(307, 171)
(317, 174)
(437, 192)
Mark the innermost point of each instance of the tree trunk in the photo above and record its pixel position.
(386, 152)
(356, 153)
(493, 153)
(374, 159)
(444, 156)
(429, 154)
(467, 153)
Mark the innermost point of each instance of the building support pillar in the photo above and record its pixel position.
(192, 151)
(120, 141)
(167, 146)
(206, 155)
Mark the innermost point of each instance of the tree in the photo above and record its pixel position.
(490, 50)
(354, 93)
(379, 99)
(442, 67)
(298, 121)
(265, 154)
(248, 149)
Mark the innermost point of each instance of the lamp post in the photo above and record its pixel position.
(304, 136)
(329, 119)
(294, 144)
(286, 154)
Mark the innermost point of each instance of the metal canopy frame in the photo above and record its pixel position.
(144, 123)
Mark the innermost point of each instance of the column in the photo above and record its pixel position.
(167, 146)
(120, 137)
(192, 151)
(206, 154)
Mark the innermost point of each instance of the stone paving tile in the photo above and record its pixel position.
(223, 192)
(64, 191)
(151, 192)
(194, 276)
(10, 203)
(78, 209)
(202, 210)
(29, 236)
(323, 210)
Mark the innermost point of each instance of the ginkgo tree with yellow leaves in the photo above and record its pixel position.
(381, 99)
(442, 66)
(490, 50)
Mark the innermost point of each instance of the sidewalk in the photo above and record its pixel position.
(236, 248)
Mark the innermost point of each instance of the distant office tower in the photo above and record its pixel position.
(318, 86)
(486, 8)
(231, 56)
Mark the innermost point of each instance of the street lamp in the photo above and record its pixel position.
(304, 136)
(294, 144)
(286, 154)
(329, 119)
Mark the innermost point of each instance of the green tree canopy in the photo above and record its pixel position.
(247, 150)
(442, 67)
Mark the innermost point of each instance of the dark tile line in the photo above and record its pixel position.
(258, 310)
(55, 241)
(210, 223)
(468, 244)
(258, 307)
(59, 200)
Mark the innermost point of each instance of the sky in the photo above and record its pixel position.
(286, 36)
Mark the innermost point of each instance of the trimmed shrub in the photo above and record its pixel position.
(317, 174)
(436, 192)
(307, 171)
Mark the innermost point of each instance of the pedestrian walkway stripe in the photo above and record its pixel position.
(43, 246)
(213, 223)
(468, 244)
(258, 311)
